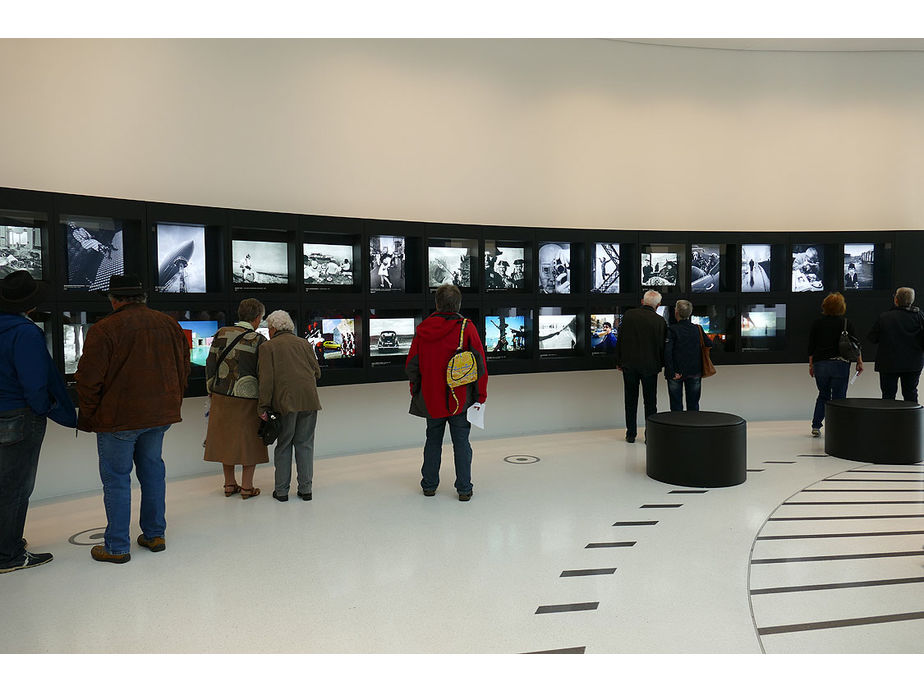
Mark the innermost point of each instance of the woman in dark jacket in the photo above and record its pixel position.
(233, 390)
(683, 358)
(830, 371)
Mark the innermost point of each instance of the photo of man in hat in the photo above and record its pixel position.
(31, 391)
(130, 383)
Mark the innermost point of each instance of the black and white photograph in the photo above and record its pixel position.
(755, 268)
(20, 249)
(604, 331)
(705, 268)
(327, 264)
(859, 260)
(181, 258)
(557, 332)
(659, 269)
(807, 268)
(94, 252)
(386, 260)
(390, 336)
(259, 262)
(555, 268)
(606, 268)
(505, 333)
(449, 265)
(505, 267)
(75, 335)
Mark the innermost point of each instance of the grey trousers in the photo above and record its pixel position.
(295, 430)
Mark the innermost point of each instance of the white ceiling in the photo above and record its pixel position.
(789, 44)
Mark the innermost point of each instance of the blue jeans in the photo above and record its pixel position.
(831, 380)
(21, 435)
(693, 386)
(888, 383)
(459, 428)
(631, 379)
(117, 451)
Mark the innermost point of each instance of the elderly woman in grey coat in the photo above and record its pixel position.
(288, 371)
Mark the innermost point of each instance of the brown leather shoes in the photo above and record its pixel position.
(99, 553)
(156, 544)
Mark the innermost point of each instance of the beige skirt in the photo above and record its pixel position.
(232, 433)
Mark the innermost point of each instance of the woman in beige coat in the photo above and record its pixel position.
(288, 371)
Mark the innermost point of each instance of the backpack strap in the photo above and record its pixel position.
(462, 333)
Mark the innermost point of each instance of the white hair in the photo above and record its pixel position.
(652, 298)
(904, 297)
(280, 321)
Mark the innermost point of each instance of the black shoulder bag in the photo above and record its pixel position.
(848, 346)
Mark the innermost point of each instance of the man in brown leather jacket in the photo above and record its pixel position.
(130, 383)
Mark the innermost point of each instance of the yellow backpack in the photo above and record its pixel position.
(461, 369)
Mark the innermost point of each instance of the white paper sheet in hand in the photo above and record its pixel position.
(475, 415)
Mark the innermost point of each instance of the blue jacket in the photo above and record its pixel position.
(682, 353)
(28, 376)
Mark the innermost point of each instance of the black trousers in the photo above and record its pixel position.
(888, 383)
(632, 378)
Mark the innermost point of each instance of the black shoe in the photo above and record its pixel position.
(465, 496)
(304, 496)
(630, 439)
(30, 561)
(429, 491)
(281, 499)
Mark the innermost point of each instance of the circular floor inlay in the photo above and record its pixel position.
(521, 459)
(88, 537)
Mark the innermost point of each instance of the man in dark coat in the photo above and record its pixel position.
(640, 357)
(31, 391)
(435, 342)
(899, 332)
(130, 383)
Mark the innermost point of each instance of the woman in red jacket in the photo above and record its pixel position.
(435, 342)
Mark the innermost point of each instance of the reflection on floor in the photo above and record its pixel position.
(577, 552)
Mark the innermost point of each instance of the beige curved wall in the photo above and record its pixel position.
(584, 133)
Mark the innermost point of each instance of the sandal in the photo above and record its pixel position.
(231, 489)
(249, 493)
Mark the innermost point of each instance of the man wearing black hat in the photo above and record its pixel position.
(130, 383)
(31, 391)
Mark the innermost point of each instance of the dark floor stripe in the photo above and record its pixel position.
(840, 536)
(842, 517)
(705, 490)
(780, 462)
(822, 625)
(881, 481)
(639, 523)
(846, 557)
(859, 490)
(590, 571)
(609, 544)
(755, 470)
(564, 650)
(837, 585)
(562, 608)
(662, 505)
(872, 502)
(870, 470)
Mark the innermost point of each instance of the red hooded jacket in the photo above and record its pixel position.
(435, 342)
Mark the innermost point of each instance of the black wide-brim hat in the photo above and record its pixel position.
(20, 292)
(125, 285)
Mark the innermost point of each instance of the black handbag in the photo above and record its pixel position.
(848, 346)
(269, 428)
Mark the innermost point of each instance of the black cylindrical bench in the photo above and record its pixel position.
(881, 431)
(696, 448)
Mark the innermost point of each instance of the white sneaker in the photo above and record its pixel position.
(816, 433)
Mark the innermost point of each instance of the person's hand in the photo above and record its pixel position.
(264, 416)
(811, 371)
(859, 367)
(677, 376)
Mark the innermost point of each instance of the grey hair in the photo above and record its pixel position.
(684, 309)
(652, 298)
(280, 321)
(904, 296)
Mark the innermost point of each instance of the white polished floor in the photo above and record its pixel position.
(372, 566)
